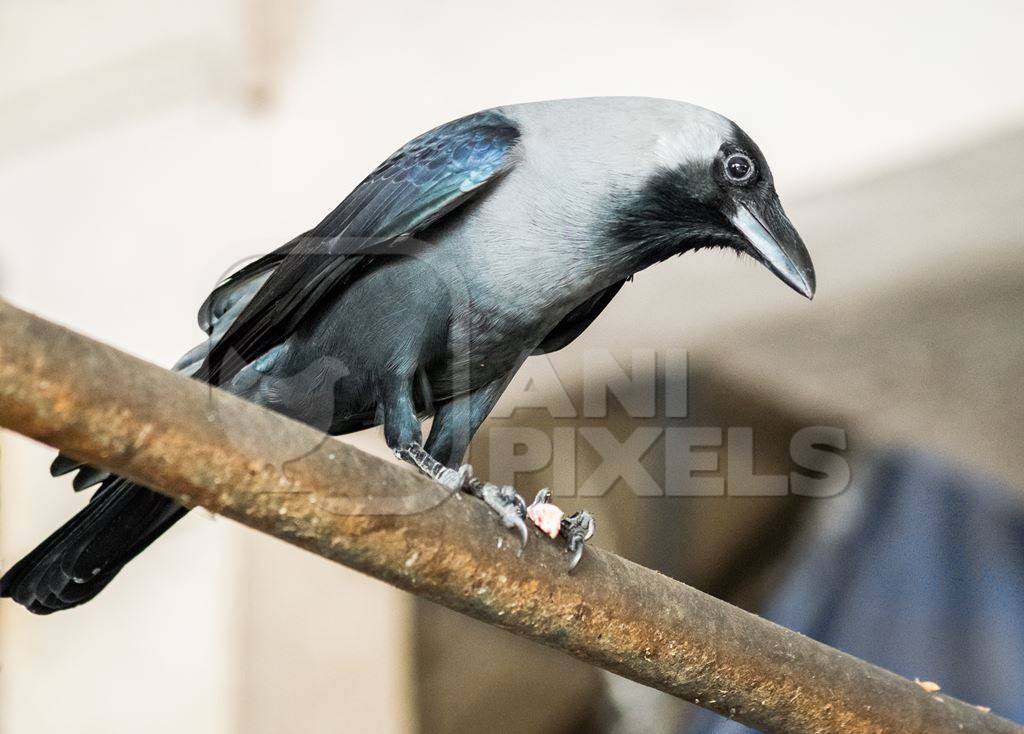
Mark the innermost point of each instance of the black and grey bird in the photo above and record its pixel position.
(488, 239)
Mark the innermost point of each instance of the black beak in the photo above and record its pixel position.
(775, 243)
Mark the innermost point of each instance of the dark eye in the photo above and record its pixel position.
(739, 168)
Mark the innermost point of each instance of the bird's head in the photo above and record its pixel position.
(706, 184)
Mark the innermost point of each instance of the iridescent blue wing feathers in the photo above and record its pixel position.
(412, 189)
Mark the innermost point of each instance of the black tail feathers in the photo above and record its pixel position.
(75, 563)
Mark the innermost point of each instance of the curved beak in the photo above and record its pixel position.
(775, 242)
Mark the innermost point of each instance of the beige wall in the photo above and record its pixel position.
(143, 152)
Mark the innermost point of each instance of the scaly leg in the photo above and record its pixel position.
(506, 503)
(455, 422)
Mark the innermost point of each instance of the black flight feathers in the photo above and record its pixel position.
(424, 180)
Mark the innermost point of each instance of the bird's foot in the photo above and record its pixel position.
(504, 501)
(507, 504)
(577, 528)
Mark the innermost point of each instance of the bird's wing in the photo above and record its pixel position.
(423, 181)
(576, 321)
(233, 287)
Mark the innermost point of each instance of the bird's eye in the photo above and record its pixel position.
(739, 168)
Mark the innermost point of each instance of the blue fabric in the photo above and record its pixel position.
(921, 572)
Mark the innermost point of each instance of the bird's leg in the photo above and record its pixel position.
(455, 422)
(402, 433)
(504, 501)
(577, 528)
(454, 425)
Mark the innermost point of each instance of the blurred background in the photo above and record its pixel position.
(146, 148)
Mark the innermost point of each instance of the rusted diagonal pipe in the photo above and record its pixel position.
(204, 447)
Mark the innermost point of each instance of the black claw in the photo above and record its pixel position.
(524, 532)
(518, 522)
(577, 529)
(576, 556)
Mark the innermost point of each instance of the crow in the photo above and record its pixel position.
(485, 240)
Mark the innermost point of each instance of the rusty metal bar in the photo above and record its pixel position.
(204, 447)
